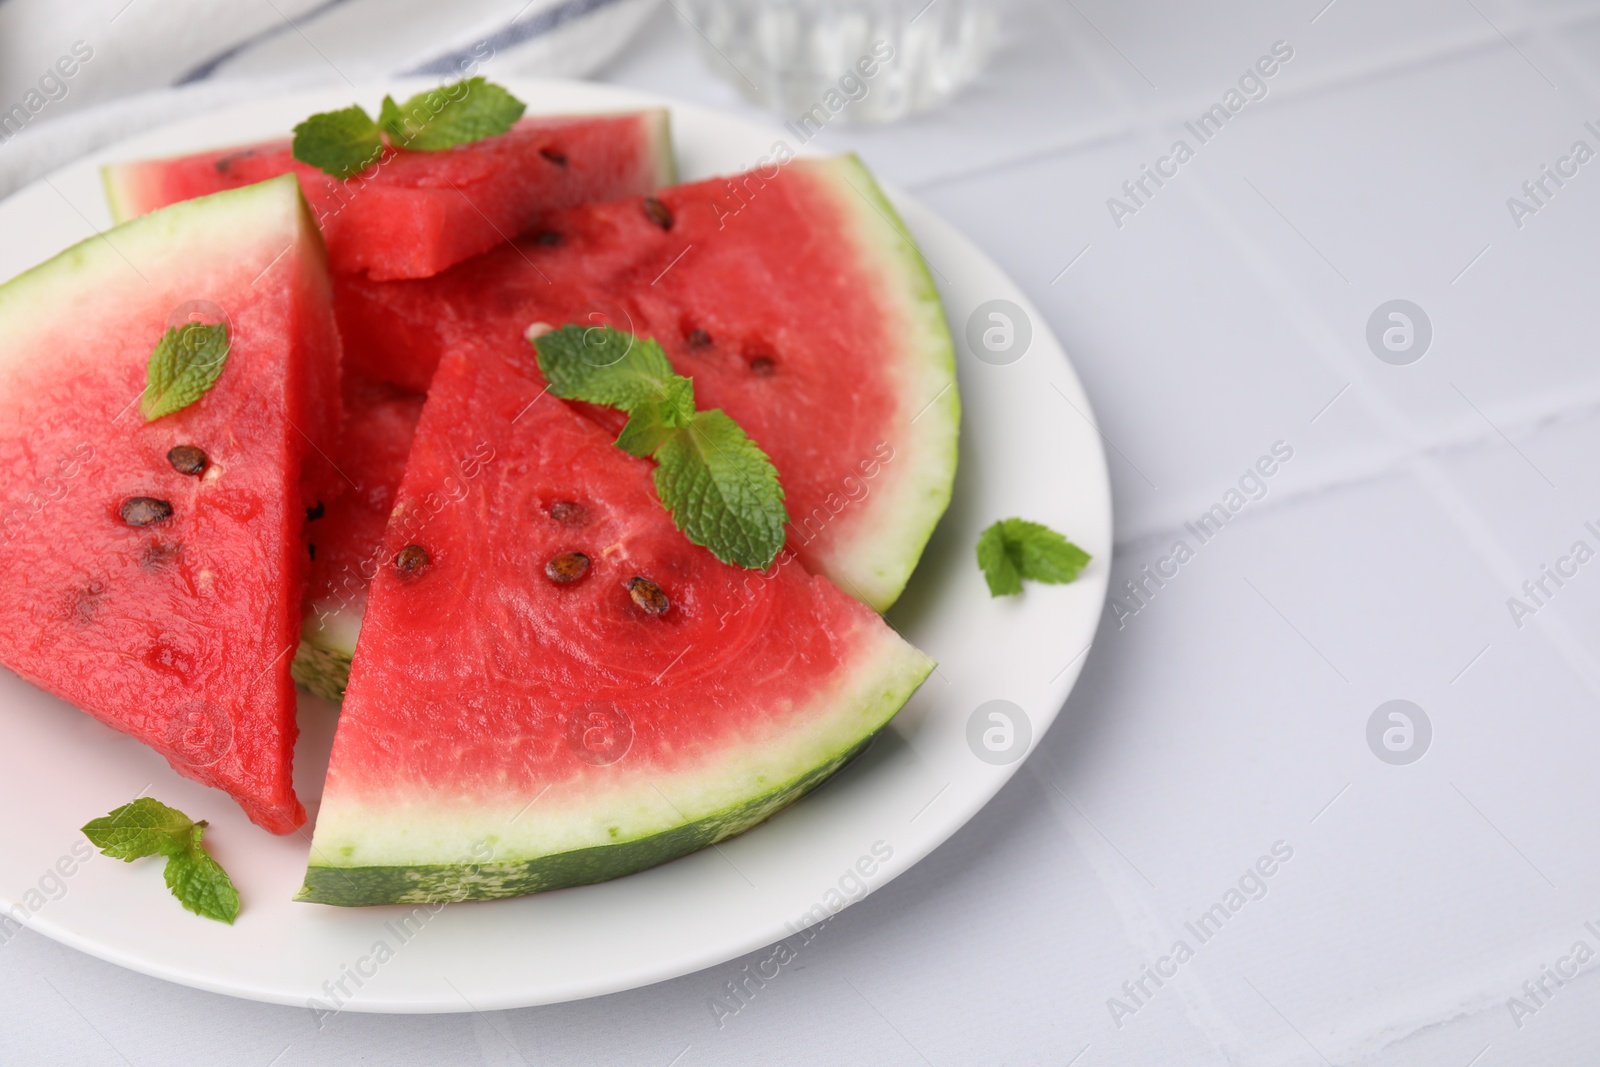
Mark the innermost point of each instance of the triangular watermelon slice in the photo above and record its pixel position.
(793, 296)
(153, 570)
(416, 213)
(522, 719)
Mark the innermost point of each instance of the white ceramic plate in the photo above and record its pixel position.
(1028, 448)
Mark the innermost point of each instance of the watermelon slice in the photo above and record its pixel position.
(519, 719)
(154, 586)
(416, 213)
(346, 534)
(794, 299)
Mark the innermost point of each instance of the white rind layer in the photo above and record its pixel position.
(878, 546)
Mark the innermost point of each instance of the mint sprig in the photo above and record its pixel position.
(183, 367)
(722, 490)
(147, 827)
(341, 143)
(1014, 549)
(346, 142)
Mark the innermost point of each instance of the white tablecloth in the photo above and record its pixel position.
(1417, 913)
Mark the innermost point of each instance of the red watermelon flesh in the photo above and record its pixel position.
(345, 533)
(416, 213)
(178, 631)
(796, 302)
(505, 733)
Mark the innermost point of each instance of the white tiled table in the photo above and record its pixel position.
(1228, 715)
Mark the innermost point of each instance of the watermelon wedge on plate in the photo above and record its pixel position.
(153, 569)
(415, 213)
(795, 300)
(554, 686)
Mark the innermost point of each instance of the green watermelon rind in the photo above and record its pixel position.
(321, 669)
(423, 884)
(889, 683)
(873, 562)
(112, 182)
(328, 637)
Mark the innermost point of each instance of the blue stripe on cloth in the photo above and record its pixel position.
(513, 34)
(209, 67)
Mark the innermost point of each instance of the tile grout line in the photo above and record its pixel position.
(1332, 352)
(1142, 121)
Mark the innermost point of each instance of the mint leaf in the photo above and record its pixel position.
(341, 143)
(455, 114)
(183, 366)
(1014, 549)
(999, 570)
(389, 117)
(600, 365)
(722, 490)
(145, 827)
(346, 142)
(148, 827)
(652, 422)
(200, 883)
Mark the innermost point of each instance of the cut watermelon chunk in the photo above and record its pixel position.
(417, 213)
(506, 733)
(346, 534)
(795, 300)
(176, 629)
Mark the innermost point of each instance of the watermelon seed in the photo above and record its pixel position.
(313, 514)
(144, 510)
(648, 595)
(567, 567)
(762, 366)
(558, 158)
(547, 238)
(311, 548)
(569, 513)
(411, 559)
(187, 459)
(699, 339)
(659, 213)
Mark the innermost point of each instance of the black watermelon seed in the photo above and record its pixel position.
(762, 366)
(144, 510)
(567, 567)
(411, 559)
(699, 339)
(313, 514)
(659, 213)
(187, 459)
(648, 595)
(569, 513)
(547, 238)
(558, 158)
(311, 548)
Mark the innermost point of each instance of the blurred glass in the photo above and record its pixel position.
(850, 61)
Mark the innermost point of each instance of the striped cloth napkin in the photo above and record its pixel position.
(79, 75)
